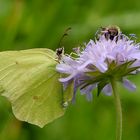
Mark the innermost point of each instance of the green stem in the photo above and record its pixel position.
(118, 110)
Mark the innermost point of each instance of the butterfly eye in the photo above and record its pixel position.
(59, 53)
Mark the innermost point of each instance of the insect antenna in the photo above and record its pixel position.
(63, 36)
(60, 49)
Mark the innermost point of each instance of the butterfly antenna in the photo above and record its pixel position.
(63, 36)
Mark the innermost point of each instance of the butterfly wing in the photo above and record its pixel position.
(29, 80)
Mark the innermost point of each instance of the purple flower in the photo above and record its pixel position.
(117, 56)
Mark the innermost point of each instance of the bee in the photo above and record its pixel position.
(110, 32)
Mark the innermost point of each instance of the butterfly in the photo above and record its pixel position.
(29, 80)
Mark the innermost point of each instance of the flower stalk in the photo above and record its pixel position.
(118, 110)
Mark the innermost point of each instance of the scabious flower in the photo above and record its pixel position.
(110, 56)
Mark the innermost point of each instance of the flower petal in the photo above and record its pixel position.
(67, 78)
(130, 86)
(88, 91)
(107, 90)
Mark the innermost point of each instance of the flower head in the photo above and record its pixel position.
(112, 55)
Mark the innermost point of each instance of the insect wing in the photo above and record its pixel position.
(29, 80)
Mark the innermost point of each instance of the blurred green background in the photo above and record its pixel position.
(41, 23)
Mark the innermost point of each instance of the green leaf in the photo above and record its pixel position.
(101, 85)
(93, 73)
(29, 80)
